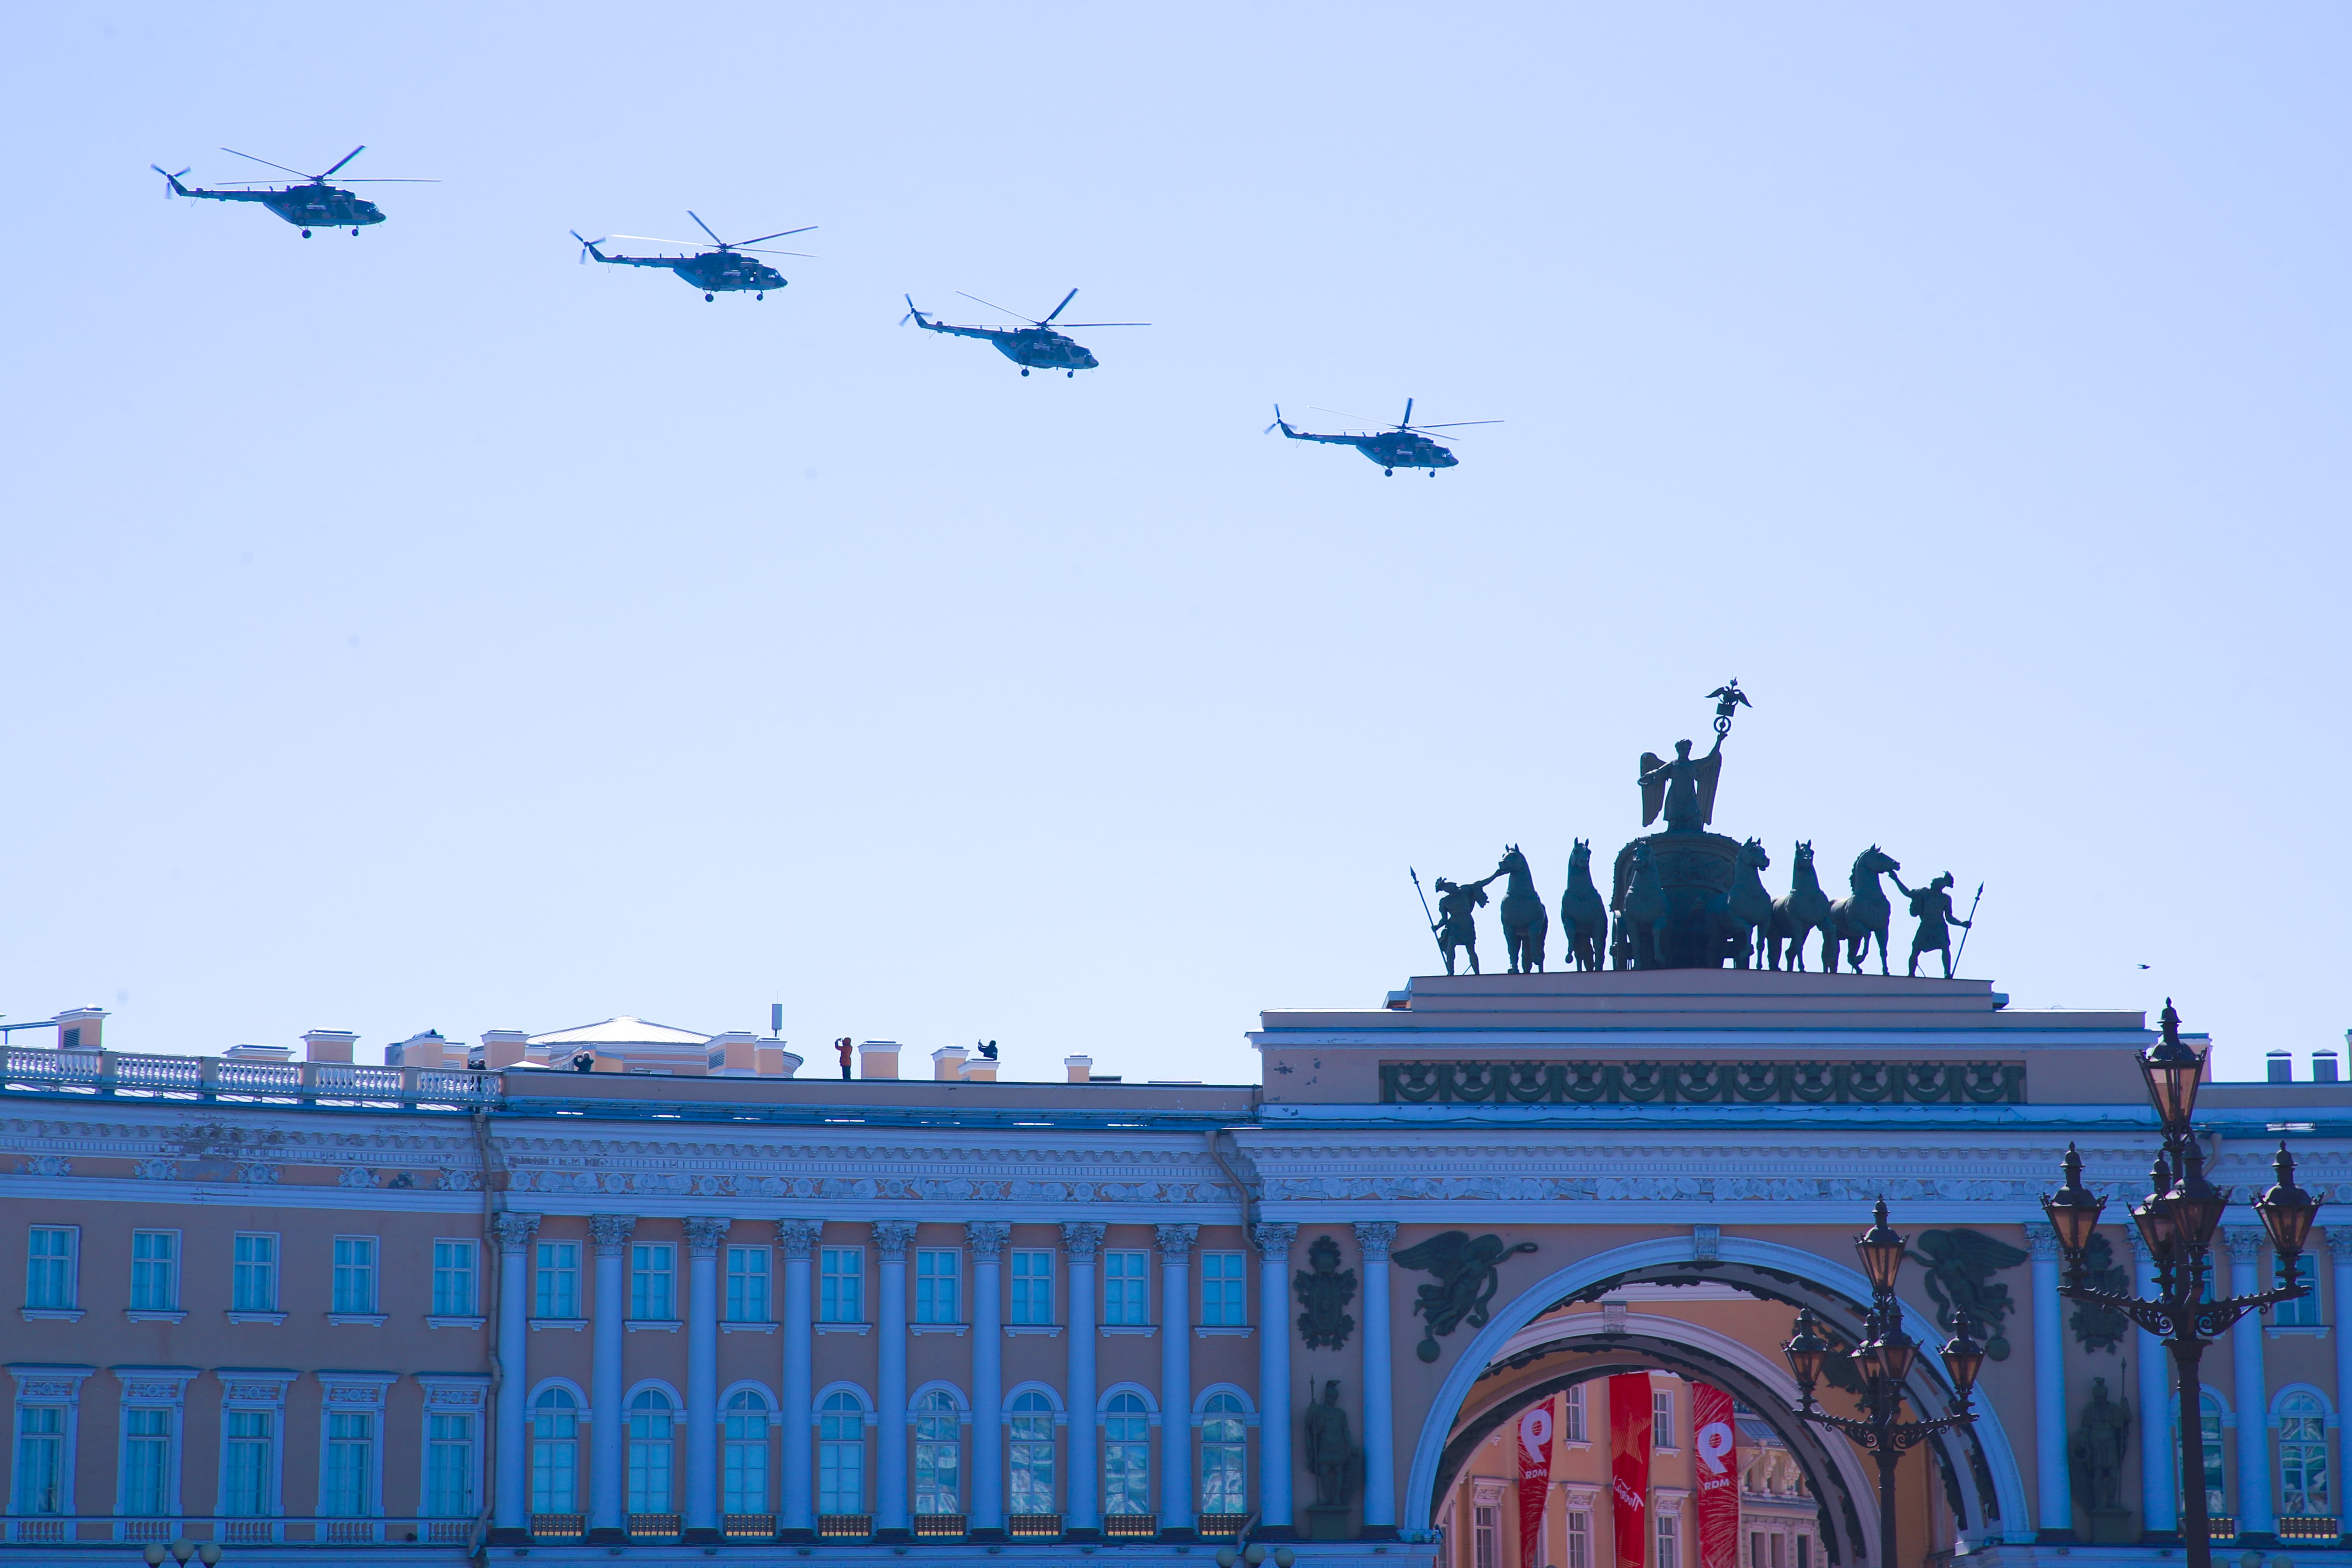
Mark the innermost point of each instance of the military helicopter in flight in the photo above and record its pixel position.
(1403, 445)
(723, 270)
(1036, 344)
(317, 204)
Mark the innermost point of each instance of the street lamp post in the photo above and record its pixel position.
(1884, 1359)
(2178, 1219)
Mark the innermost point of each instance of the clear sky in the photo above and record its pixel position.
(420, 630)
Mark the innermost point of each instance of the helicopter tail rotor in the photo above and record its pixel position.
(587, 245)
(171, 185)
(912, 314)
(1278, 424)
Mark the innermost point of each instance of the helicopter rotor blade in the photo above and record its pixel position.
(346, 158)
(748, 250)
(1060, 307)
(1406, 423)
(706, 229)
(1356, 418)
(780, 234)
(1277, 422)
(585, 245)
(652, 239)
(1076, 324)
(992, 305)
(388, 180)
(1454, 424)
(234, 152)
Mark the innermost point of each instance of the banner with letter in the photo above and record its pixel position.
(1628, 1466)
(1534, 1482)
(1716, 1436)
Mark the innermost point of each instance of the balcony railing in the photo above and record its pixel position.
(1130, 1526)
(938, 1525)
(656, 1526)
(34, 1070)
(2310, 1527)
(844, 1526)
(2222, 1526)
(557, 1526)
(244, 1530)
(1034, 1526)
(750, 1527)
(1223, 1523)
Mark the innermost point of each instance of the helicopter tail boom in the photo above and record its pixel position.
(171, 185)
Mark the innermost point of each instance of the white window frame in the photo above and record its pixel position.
(827, 1275)
(46, 1387)
(650, 1261)
(866, 1422)
(1579, 1537)
(765, 1274)
(929, 1257)
(1574, 1425)
(1238, 1284)
(768, 1419)
(270, 1311)
(354, 1393)
(1141, 1283)
(471, 1250)
(1667, 1541)
(1055, 1418)
(338, 1311)
(453, 1393)
(1486, 1534)
(70, 1307)
(1663, 1437)
(578, 1411)
(162, 1388)
(2304, 1311)
(933, 1401)
(263, 1392)
(543, 1269)
(171, 1308)
(674, 1472)
(1033, 1267)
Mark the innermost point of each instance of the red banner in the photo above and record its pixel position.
(1716, 1436)
(1629, 1464)
(1534, 1482)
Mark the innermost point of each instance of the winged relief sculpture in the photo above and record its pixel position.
(1464, 1268)
(1960, 1269)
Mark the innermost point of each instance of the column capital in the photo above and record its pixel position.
(611, 1232)
(2338, 1240)
(1175, 1241)
(705, 1232)
(797, 1237)
(1273, 1241)
(2140, 1254)
(986, 1237)
(513, 1232)
(1081, 1239)
(2244, 1241)
(1374, 1236)
(2041, 1242)
(892, 1237)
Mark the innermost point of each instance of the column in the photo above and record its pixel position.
(1379, 1406)
(1176, 1374)
(606, 1421)
(2257, 1514)
(2160, 1508)
(1274, 1378)
(513, 1233)
(704, 1236)
(2338, 1240)
(1082, 1507)
(796, 1518)
(986, 1239)
(891, 1237)
(2053, 1502)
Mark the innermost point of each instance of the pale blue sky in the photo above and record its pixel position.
(420, 630)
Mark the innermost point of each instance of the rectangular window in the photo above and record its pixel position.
(1126, 1301)
(40, 1459)
(1756, 1550)
(1033, 1294)
(453, 1280)
(248, 1462)
(2303, 1310)
(49, 1266)
(1223, 1303)
(653, 1291)
(1780, 1551)
(1804, 1551)
(652, 1455)
(146, 1460)
(842, 1295)
(744, 1474)
(1670, 1543)
(1485, 1536)
(937, 1298)
(555, 1453)
(747, 1293)
(1580, 1538)
(154, 1270)
(449, 1467)
(350, 1464)
(354, 1274)
(1571, 1419)
(253, 1272)
(559, 1285)
(1662, 1421)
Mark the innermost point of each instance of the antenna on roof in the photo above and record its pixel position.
(776, 1019)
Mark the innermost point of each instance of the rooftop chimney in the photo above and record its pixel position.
(80, 1029)
(2281, 1067)
(426, 1050)
(878, 1058)
(947, 1063)
(2323, 1066)
(735, 1054)
(328, 1046)
(504, 1048)
(1081, 1069)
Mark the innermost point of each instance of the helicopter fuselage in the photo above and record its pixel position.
(713, 271)
(304, 206)
(1031, 348)
(1402, 449)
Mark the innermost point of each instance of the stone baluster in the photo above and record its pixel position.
(1373, 1238)
(607, 1422)
(1176, 1373)
(1081, 1243)
(1274, 1378)
(891, 1240)
(705, 1234)
(796, 1518)
(513, 1233)
(987, 1239)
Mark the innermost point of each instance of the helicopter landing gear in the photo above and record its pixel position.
(761, 295)
(1071, 373)
(710, 298)
(1433, 473)
(1024, 369)
(306, 234)
(1389, 472)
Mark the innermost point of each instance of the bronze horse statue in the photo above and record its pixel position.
(1804, 910)
(1742, 918)
(1864, 915)
(1583, 918)
(1523, 920)
(1644, 924)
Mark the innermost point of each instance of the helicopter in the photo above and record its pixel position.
(1036, 344)
(1404, 445)
(317, 204)
(713, 271)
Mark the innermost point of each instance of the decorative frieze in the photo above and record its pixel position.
(1703, 1083)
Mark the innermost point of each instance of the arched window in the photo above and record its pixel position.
(938, 1452)
(1032, 1453)
(2209, 1421)
(554, 1452)
(2303, 1456)
(651, 1418)
(1225, 1456)
(746, 1461)
(840, 1455)
(1127, 1456)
